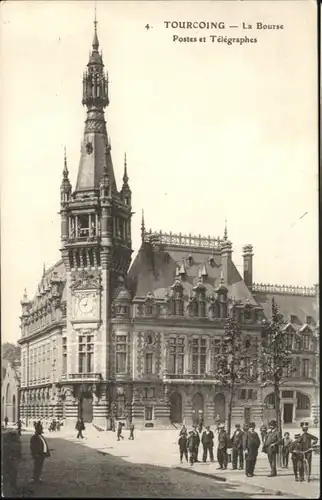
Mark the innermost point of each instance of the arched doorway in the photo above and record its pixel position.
(14, 408)
(86, 407)
(220, 407)
(197, 408)
(175, 408)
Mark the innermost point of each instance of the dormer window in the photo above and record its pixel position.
(293, 318)
(211, 261)
(166, 258)
(149, 340)
(310, 320)
(148, 310)
(190, 260)
(247, 314)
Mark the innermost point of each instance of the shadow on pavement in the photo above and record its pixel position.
(77, 471)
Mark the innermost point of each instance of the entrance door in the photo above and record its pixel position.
(247, 415)
(220, 407)
(175, 408)
(86, 407)
(197, 408)
(288, 413)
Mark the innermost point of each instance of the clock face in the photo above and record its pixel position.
(85, 305)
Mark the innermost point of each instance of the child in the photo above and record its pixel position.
(183, 447)
(297, 457)
(286, 449)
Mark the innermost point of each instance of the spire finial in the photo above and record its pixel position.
(95, 44)
(44, 270)
(226, 232)
(65, 171)
(222, 276)
(25, 296)
(142, 227)
(125, 176)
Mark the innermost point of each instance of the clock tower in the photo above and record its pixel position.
(96, 250)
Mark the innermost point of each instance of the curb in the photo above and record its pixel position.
(240, 483)
(205, 474)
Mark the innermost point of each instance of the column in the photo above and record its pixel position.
(294, 410)
(71, 407)
(101, 407)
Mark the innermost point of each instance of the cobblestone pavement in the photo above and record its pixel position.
(79, 471)
(160, 448)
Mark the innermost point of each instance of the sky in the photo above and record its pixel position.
(211, 131)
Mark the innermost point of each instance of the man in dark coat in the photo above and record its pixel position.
(183, 446)
(237, 448)
(183, 431)
(80, 427)
(307, 441)
(207, 440)
(252, 443)
(39, 451)
(263, 431)
(6, 420)
(193, 446)
(119, 431)
(222, 447)
(131, 432)
(295, 449)
(271, 446)
(197, 442)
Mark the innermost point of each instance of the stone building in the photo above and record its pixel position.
(10, 386)
(114, 342)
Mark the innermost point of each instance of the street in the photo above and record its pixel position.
(149, 466)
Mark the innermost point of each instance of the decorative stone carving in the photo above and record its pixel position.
(85, 280)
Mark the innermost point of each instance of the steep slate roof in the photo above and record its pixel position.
(151, 272)
(299, 306)
(58, 268)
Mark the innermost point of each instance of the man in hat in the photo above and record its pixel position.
(271, 446)
(222, 447)
(39, 451)
(307, 441)
(263, 431)
(237, 448)
(252, 443)
(192, 446)
(196, 441)
(297, 457)
(207, 440)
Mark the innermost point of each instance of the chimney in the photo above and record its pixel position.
(225, 252)
(248, 265)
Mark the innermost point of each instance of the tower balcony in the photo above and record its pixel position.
(188, 378)
(81, 377)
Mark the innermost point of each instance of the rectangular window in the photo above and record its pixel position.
(199, 356)
(289, 341)
(250, 394)
(149, 363)
(287, 394)
(243, 394)
(305, 367)
(148, 413)
(121, 341)
(248, 366)
(306, 341)
(149, 392)
(176, 356)
(298, 343)
(86, 354)
(64, 346)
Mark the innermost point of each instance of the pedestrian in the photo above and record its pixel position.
(201, 424)
(11, 455)
(297, 457)
(183, 431)
(307, 441)
(207, 440)
(197, 442)
(222, 447)
(271, 446)
(6, 420)
(119, 431)
(285, 449)
(131, 431)
(39, 451)
(19, 426)
(58, 425)
(263, 431)
(183, 446)
(192, 447)
(237, 448)
(80, 427)
(252, 443)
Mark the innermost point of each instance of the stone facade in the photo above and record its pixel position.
(141, 345)
(10, 388)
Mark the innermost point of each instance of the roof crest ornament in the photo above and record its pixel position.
(142, 227)
(95, 44)
(226, 231)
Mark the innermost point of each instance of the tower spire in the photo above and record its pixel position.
(65, 170)
(142, 227)
(95, 44)
(125, 176)
(226, 232)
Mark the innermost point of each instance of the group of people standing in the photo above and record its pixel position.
(245, 444)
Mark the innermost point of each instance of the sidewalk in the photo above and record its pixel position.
(160, 448)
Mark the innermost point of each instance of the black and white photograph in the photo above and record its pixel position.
(159, 249)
